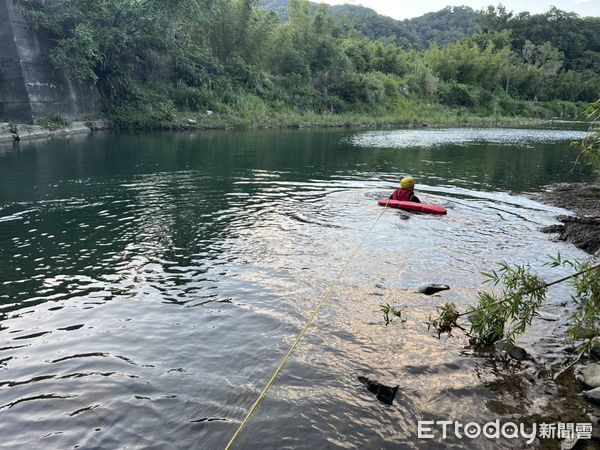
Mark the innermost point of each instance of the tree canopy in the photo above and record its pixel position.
(442, 27)
(152, 58)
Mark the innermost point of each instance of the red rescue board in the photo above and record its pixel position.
(412, 206)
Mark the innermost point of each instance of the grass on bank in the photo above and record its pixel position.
(54, 122)
(155, 111)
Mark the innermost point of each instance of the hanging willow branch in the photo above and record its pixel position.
(518, 304)
(590, 146)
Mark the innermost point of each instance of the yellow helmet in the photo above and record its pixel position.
(407, 183)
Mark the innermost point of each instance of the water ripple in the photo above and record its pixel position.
(153, 283)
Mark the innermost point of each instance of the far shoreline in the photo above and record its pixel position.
(194, 122)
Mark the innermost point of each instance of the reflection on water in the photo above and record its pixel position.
(443, 137)
(151, 283)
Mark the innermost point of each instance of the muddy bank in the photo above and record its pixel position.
(583, 229)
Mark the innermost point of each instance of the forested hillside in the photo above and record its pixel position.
(578, 39)
(442, 27)
(155, 64)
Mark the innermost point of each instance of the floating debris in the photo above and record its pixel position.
(385, 394)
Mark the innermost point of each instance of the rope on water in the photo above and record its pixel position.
(311, 319)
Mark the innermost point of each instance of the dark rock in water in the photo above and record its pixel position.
(516, 353)
(385, 394)
(431, 289)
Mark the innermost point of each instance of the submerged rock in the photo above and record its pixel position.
(589, 375)
(431, 289)
(385, 394)
(593, 395)
(595, 347)
(547, 317)
(515, 352)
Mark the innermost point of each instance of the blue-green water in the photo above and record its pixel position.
(151, 283)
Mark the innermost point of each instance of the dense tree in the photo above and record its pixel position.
(567, 32)
(151, 58)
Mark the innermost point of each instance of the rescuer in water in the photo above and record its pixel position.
(406, 192)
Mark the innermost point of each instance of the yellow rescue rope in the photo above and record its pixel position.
(312, 318)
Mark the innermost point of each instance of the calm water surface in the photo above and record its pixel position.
(151, 283)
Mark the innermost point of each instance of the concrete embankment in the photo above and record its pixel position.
(11, 132)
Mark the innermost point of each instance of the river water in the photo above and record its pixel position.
(151, 283)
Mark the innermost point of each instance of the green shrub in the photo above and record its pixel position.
(289, 61)
(53, 122)
(422, 81)
(196, 67)
(142, 108)
(456, 94)
(510, 106)
(188, 98)
(564, 109)
(485, 100)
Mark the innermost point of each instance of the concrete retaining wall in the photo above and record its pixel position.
(30, 87)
